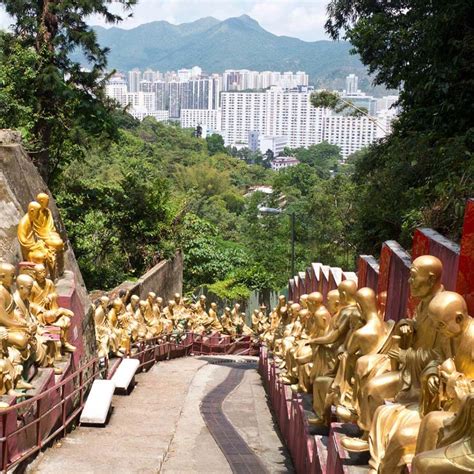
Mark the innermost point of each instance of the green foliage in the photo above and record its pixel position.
(324, 157)
(215, 144)
(67, 102)
(423, 172)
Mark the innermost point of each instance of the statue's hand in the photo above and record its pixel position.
(433, 384)
(397, 354)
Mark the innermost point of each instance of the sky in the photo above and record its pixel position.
(300, 19)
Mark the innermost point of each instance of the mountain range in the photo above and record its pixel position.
(235, 43)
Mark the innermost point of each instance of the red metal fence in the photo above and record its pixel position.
(28, 426)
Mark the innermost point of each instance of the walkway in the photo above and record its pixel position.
(203, 414)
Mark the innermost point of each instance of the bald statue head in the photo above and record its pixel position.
(134, 299)
(448, 311)
(333, 301)
(347, 290)
(425, 276)
(295, 308)
(304, 301)
(104, 301)
(40, 272)
(151, 297)
(7, 274)
(43, 200)
(24, 284)
(315, 300)
(366, 300)
(33, 210)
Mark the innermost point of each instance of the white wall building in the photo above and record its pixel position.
(140, 113)
(210, 120)
(116, 89)
(349, 133)
(134, 78)
(274, 143)
(283, 162)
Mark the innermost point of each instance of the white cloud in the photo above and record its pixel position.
(301, 19)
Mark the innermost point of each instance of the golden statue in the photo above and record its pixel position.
(423, 346)
(226, 321)
(44, 305)
(43, 348)
(291, 333)
(454, 452)
(329, 347)
(332, 303)
(118, 322)
(44, 227)
(19, 332)
(214, 323)
(318, 324)
(394, 432)
(367, 336)
(8, 374)
(33, 248)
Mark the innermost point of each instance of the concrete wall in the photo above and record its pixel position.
(20, 182)
(165, 279)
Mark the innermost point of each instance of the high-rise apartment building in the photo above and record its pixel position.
(210, 120)
(352, 84)
(116, 88)
(174, 98)
(134, 78)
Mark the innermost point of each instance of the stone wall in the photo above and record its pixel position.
(20, 182)
(165, 279)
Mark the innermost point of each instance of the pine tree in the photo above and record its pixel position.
(69, 100)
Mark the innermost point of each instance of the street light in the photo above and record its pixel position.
(275, 210)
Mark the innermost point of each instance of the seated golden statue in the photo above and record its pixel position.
(420, 346)
(453, 450)
(43, 348)
(291, 332)
(330, 347)
(118, 321)
(44, 227)
(213, 323)
(44, 305)
(33, 248)
(107, 339)
(18, 331)
(395, 429)
(152, 315)
(9, 376)
(226, 321)
(367, 336)
(317, 324)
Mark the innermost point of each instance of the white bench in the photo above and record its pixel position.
(98, 403)
(124, 376)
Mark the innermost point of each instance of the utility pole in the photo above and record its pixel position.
(293, 219)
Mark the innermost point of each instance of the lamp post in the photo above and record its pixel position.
(274, 210)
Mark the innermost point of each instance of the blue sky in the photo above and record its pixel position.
(301, 19)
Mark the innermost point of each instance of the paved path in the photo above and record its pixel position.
(160, 427)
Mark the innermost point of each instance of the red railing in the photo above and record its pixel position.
(28, 426)
(31, 424)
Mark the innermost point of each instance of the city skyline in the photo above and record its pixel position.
(272, 105)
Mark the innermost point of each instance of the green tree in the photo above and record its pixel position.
(422, 173)
(215, 144)
(69, 102)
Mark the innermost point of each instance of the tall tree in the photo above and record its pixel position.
(70, 101)
(421, 174)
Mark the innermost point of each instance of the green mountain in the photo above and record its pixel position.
(218, 45)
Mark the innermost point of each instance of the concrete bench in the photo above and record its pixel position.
(124, 377)
(98, 403)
